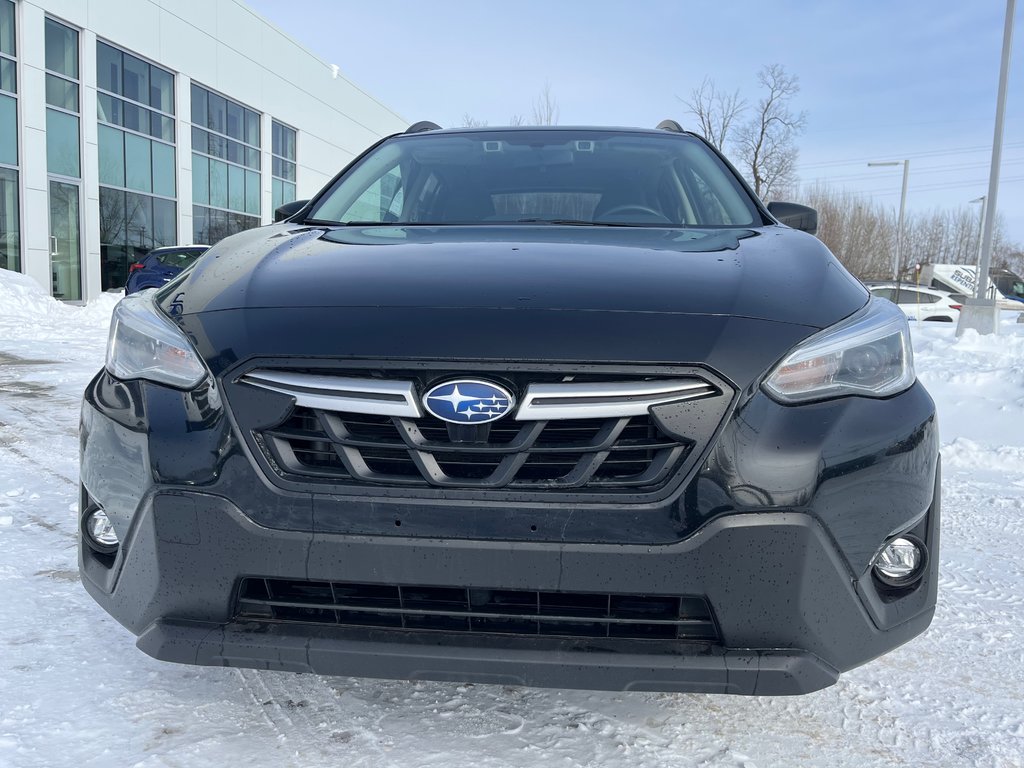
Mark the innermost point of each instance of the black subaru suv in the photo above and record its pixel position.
(556, 407)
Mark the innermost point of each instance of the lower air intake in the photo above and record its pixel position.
(477, 610)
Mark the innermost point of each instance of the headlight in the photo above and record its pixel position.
(144, 344)
(867, 354)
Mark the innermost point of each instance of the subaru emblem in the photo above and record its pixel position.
(467, 401)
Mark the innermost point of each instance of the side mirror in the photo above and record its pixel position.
(288, 210)
(796, 216)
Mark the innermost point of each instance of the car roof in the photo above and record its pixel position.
(908, 286)
(546, 128)
(893, 284)
(170, 248)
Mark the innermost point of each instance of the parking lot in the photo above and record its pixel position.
(74, 690)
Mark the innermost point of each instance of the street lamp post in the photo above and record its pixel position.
(981, 226)
(981, 313)
(898, 259)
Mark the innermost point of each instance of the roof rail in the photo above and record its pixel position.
(670, 125)
(421, 126)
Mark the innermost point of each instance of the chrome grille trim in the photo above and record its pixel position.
(542, 402)
(341, 393)
(603, 400)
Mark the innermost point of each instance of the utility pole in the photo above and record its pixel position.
(981, 313)
(981, 226)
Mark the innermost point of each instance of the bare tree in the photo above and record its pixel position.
(113, 218)
(859, 232)
(1012, 258)
(545, 108)
(715, 110)
(545, 112)
(862, 235)
(766, 143)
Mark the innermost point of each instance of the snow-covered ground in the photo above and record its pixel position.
(75, 692)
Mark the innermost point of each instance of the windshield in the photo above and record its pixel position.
(561, 176)
(180, 259)
(1008, 283)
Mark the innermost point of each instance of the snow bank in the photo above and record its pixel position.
(978, 383)
(27, 312)
(967, 454)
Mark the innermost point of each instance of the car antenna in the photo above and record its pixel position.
(421, 126)
(670, 125)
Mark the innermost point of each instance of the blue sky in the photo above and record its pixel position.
(879, 80)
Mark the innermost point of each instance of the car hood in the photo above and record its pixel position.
(771, 273)
(733, 300)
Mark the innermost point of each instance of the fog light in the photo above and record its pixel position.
(901, 562)
(100, 533)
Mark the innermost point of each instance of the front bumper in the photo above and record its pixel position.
(785, 569)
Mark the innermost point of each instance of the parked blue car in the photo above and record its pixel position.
(160, 265)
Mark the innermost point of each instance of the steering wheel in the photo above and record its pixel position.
(633, 208)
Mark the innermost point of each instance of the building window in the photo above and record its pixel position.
(62, 101)
(10, 222)
(138, 195)
(283, 170)
(63, 160)
(134, 94)
(225, 167)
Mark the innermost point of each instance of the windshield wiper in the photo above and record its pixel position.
(318, 222)
(324, 223)
(584, 223)
(556, 222)
(401, 223)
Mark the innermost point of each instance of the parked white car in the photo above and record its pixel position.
(921, 302)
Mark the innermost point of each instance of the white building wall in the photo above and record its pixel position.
(90, 203)
(220, 44)
(35, 236)
(183, 120)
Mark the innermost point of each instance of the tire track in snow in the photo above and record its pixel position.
(271, 710)
(31, 417)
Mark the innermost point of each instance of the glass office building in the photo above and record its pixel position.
(125, 127)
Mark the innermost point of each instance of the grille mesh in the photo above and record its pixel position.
(597, 453)
(477, 610)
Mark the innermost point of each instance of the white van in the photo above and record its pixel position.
(1005, 286)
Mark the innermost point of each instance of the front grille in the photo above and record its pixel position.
(609, 453)
(477, 610)
(597, 432)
